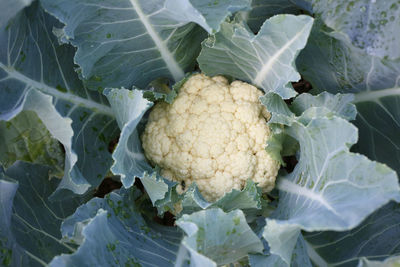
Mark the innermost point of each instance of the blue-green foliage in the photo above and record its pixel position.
(113, 228)
(77, 79)
(37, 74)
(30, 223)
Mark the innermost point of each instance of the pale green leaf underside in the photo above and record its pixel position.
(337, 66)
(318, 187)
(265, 60)
(299, 257)
(247, 199)
(222, 237)
(334, 66)
(129, 107)
(330, 187)
(113, 228)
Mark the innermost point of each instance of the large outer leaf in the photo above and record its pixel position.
(222, 237)
(330, 187)
(29, 222)
(376, 238)
(132, 42)
(38, 75)
(372, 26)
(111, 232)
(265, 60)
(336, 66)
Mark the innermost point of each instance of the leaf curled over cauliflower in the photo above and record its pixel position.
(214, 134)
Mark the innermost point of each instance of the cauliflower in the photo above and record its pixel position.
(213, 134)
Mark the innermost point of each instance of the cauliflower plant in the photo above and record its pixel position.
(215, 134)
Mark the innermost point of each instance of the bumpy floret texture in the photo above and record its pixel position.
(214, 133)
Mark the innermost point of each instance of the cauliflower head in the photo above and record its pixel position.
(214, 134)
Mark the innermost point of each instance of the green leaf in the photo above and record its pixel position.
(281, 145)
(376, 238)
(129, 107)
(9, 8)
(321, 105)
(248, 199)
(334, 66)
(129, 160)
(371, 26)
(299, 257)
(265, 60)
(193, 200)
(337, 66)
(26, 138)
(282, 239)
(324, 145)
(263, 9)
(33, 78)
(128, 43)
(330, 187)
(223, 237)
(29, 222)
(392, 262)
(159, 90)
(214, 12)
(111, 231)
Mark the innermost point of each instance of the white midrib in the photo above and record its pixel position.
(96, 107)
(181, 256)
(267, 67)
(172, 65)
(315, 258)
(374, 95)
(290, 187)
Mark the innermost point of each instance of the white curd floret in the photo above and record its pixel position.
(214, 134)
